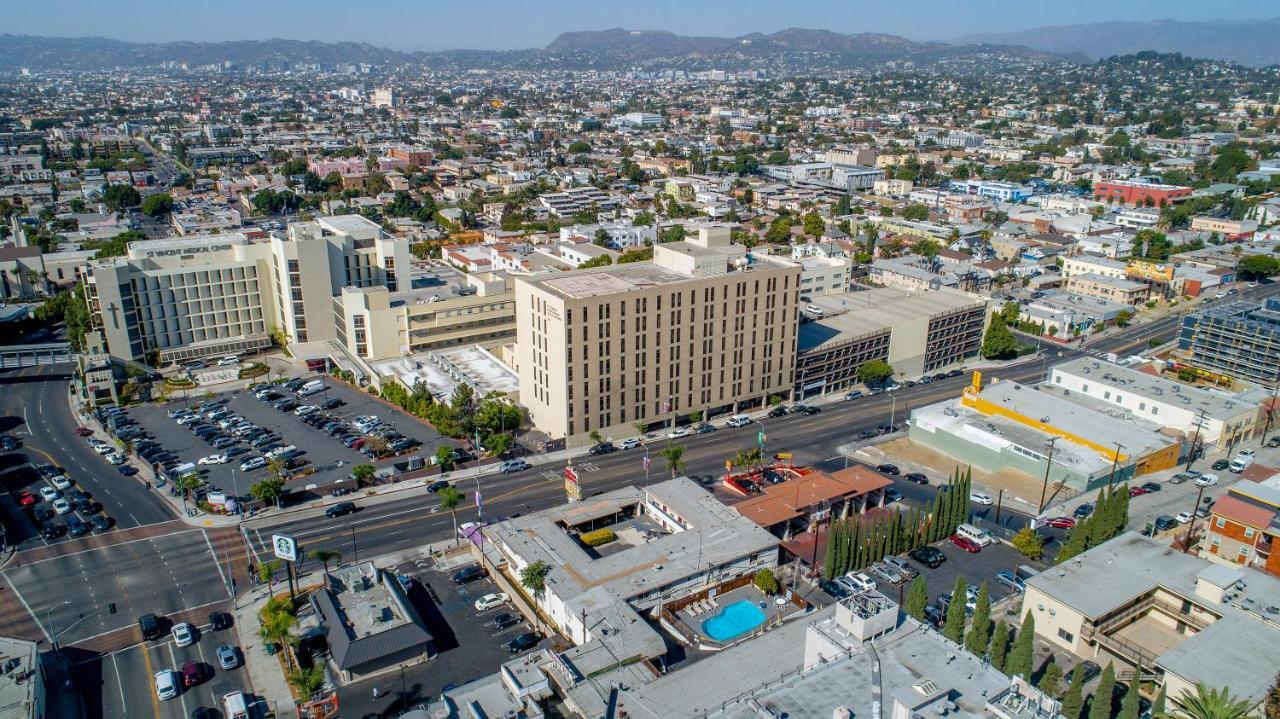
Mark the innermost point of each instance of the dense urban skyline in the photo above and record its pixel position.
(497, 24)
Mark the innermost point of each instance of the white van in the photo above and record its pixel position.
(280, 451)
(234, 704)
(229, 361)
(1240, 463)
(813, 310)
(968, 531)
(309, 389)
(738, 420)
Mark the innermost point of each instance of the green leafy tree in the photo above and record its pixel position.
(953, 628)
(1020, 656)
(1129, 705)
(118, 197)
(307, 680)
(1029, 543)
(268, 490)
(601, 261)
(157, 205)
(1073, 699)
(813, 225)
(915, 212)
(1050, 679)
(1270, 705)
(1100, 703)
(363, 474)
(779, 230)
(918, 597)
(1000, 645)
(1259, 266)
(444, 457)
(875, 371)
(766, 582)
(450, 498)
(999, 342)
(1205, 703)
(979, 636)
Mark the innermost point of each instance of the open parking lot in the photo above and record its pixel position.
(271, 426)
(127, 685)
(468, 643)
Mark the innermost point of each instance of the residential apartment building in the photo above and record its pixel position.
(1245, 527)
(916, 333)
(1107, 288)
(1238, 340)
(700, 328)
(1228, 229)
(218, 294)
(577, 199)
(1087, 265)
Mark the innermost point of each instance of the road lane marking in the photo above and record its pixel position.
(182, 695)
(155, 700)
(14, 588)
(124, 705)
(217, 564)
(109, 546)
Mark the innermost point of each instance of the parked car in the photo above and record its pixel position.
(1164, 523)
(505, 620)
(778, 411)
(1010, 580)
(834, 589)
(806, 410)
(514, 465)
(705, 428)
(252, 463)
(966, 544)
(917, 477)
(1061, 522)
(602, 448)
(61, 506)
(1206, 480)
(1083, 511)
(468, 574)
(929, 556)
(1151, 486)
(629, 443)
(902, 566)
(524, 642)
(855, 394)
(489, 601)
(885, 572)
(934, 615)
(891, 469)
(76, 527)
(1184, 517)
(1138, 491)
(1220, 465)
(678, 432)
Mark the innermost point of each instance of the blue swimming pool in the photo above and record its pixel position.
(733, 621)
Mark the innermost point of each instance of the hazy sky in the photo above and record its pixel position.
(500, 24)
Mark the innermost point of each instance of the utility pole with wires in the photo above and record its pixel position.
(1115, 463)
(1195, 442)
(1048, 465)
(1271, 407)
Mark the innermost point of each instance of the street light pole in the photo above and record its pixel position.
(893, 410)
(1044, 489)
(48, 620)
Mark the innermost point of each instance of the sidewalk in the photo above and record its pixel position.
(265, 673)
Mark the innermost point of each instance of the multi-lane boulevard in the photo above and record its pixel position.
(413, 518)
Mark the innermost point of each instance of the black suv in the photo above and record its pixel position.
(916, 477)
(603, 448)
(468, 574)
(931, 557)
(340, 509)
(806, 410)
(888, 469)
(778, 411)
(150, 626)
(524, 642)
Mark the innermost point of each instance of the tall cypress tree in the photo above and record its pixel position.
(979, 635)
(1158, 708)
(1129, 705)
(1020, 657)
(918, 597)
(1073, 700)
(829, 557)
(953, 629)
(1000, 645)
(1100, 704)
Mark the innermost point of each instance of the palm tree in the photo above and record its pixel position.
(275, 629)
(1206, 703)
(324, 556)
(534, 579)
(450, 498)
(307, 681)
(674, 456)
(267, 570)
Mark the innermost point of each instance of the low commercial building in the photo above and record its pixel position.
(1007, 425)
(22, 273)
(1090, 265)
(1131, 192)
(810, 495)
(1218, 420)
(1111, 289)
(1236, 340)
(368, 623)
(1135, 600)
(915, 332)
(24, 693)
(1066, 314)
(999, 191)
(1226, 228)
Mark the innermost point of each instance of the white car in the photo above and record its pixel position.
(115, 458)
(1244, 453)
(629, 443)
(184, 635)
(678, 432)
(305, 410)
(980, 498)
(166, 684)
(61, 506)
(489, 601)
(220, 458)
(103, 448)
(61, 481)
(1183, 517)
(1206, 480)
(860, 581)
(252, 463)
(49, 494)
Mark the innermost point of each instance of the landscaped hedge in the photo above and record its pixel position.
(257, 369)
(599, 537)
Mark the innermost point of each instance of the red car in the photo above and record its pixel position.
(1061, 522)
(966, 544)
(1138, 491)
(193, 673)
(83, 431)
(25, 498)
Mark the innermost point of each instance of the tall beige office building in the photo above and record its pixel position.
(701, 328)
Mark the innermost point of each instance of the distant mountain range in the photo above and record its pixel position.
(1248, 42)
(603, 49)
